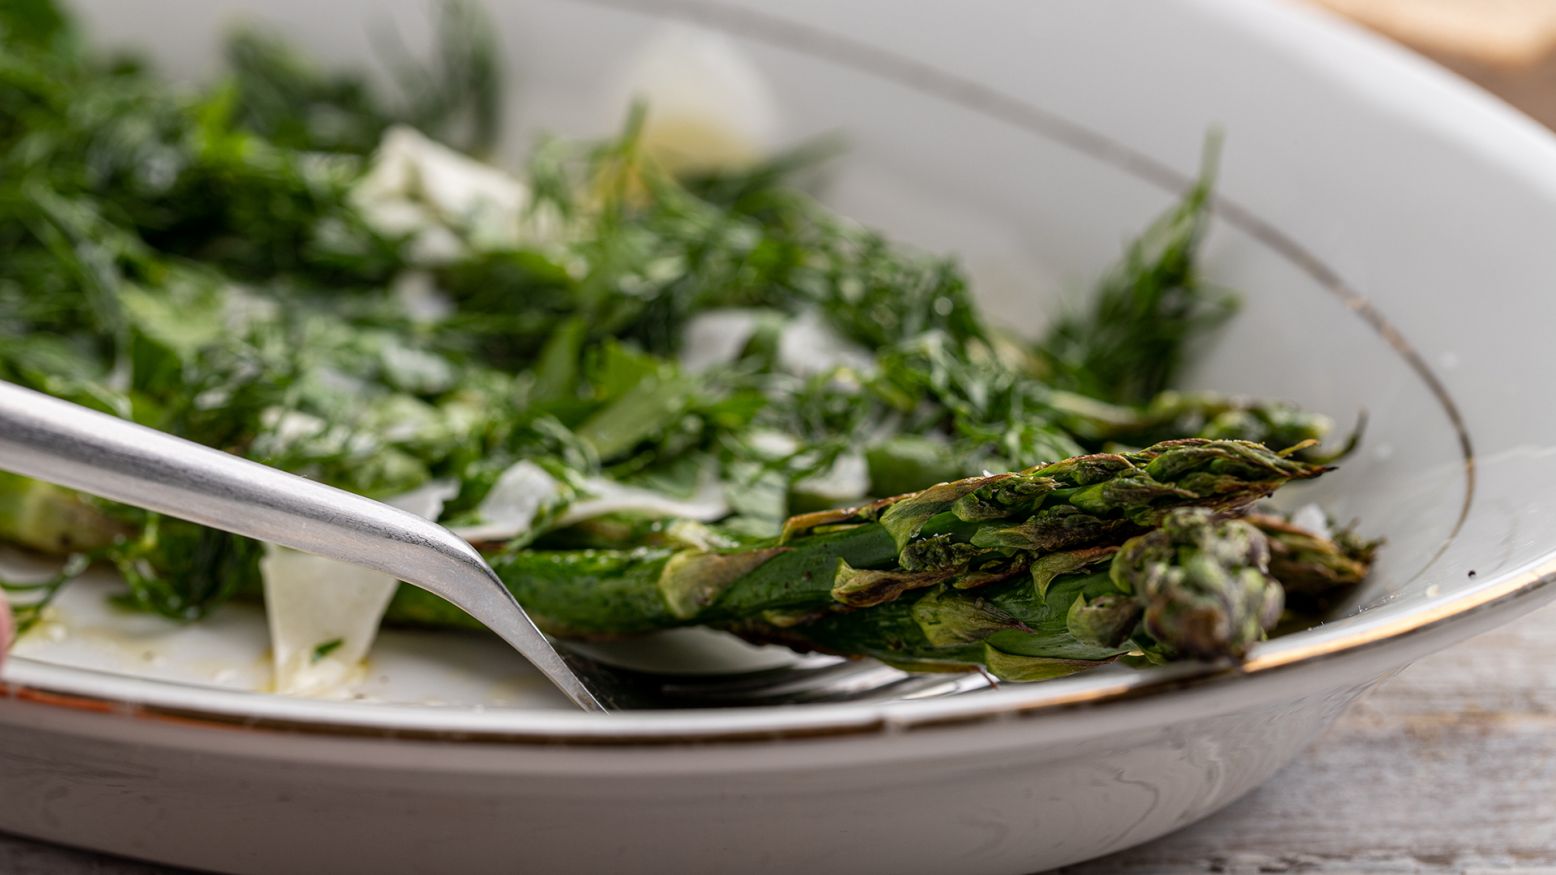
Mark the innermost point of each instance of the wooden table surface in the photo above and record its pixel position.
(1449, 767)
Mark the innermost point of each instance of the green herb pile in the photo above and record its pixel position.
(208, 262)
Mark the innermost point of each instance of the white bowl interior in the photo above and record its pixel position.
(1034, 155)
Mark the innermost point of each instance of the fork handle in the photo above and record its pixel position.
(54, 440)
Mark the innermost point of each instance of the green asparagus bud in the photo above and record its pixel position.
(1203, 583)
(1309, 565)
(1109, 619)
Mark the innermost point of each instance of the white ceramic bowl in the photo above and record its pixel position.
(1391, 228)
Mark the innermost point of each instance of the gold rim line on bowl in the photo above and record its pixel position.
(967, 711)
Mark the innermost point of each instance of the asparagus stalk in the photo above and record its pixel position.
(908, 461)
(1200, 586)
(1046, 524)
(1203, 414)
(1029, 575)
(1313, 568)
(1197, 587)
(52, 519)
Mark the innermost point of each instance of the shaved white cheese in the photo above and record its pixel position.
(285, 427)
(244, 309)
(339, 381)
(391, 213)
(426, 500)
(525, 489)
(1312, 518)
(511, 506)
(416, 293)
(417, 186)
(324, 614)
(772, 444)
(409, 167)
(436, 245)
(607, 496)
(848, 479)
(453, 184)
(716, 337)
(708, 106)
(416, 370)
(809, 346)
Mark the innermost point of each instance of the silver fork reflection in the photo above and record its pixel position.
(812, 680)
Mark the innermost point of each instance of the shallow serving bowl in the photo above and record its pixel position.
(1391, 229)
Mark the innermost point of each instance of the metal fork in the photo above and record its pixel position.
(60, 442)
(811, 680)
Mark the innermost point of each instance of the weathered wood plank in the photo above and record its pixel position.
(22, 857)
(1450, 767)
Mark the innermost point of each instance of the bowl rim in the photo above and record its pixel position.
(98, 692)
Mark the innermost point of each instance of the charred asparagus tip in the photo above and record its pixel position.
(1203, 582)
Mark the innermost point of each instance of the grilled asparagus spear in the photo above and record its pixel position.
(1077, 562)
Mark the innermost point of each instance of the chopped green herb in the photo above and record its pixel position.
(621, 384)
(325, 649)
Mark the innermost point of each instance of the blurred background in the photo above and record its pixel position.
(1505, 46)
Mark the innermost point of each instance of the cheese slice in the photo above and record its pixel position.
(709, 108)
(525, 489)
(715, 338)
(442, 198)
(810, 346)
(607, 496)
(846, 480)
(510, 508)
(324, 614)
